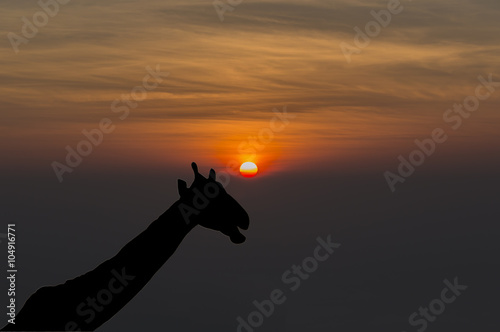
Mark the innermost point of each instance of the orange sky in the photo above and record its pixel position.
(227, 77)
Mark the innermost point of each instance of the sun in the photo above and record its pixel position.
(248, 169)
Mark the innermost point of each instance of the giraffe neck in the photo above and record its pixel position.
(137, 262)
(120, 277)
(158, 242)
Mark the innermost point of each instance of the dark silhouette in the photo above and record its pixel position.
(88, 301)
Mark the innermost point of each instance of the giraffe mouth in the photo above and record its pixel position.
(235, 235)
(237, 238)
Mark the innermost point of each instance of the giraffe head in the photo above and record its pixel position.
(207, 203)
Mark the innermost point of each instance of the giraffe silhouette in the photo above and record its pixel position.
(88, 301)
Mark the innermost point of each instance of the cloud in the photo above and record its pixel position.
(265, 54)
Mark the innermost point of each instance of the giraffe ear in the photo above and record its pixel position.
(212, 174)
(194, 167)
(182, 186)
(197, 175)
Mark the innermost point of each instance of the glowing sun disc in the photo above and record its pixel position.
(248, 169)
